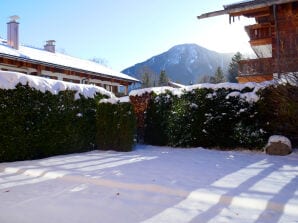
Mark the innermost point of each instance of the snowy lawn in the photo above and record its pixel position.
(151, 184)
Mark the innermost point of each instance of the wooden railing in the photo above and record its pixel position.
(259, 31)
(261, 66)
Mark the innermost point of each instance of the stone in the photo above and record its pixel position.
(278, 145)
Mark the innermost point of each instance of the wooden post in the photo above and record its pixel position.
(277, 40)
(126, 90)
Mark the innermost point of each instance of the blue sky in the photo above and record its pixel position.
(123, 32)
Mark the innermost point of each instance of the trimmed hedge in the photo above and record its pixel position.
(35, 125)
(278, 107)
(204, 117)
(156, 119)
(116, 127)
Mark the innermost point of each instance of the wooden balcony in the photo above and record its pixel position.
(261, 66)
(259, 34)
(260, 39)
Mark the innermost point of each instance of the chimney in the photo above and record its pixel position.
(13, 32)
(50, 46)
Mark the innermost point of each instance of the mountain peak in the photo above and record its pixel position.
(184, 63)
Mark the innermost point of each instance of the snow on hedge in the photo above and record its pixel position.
(248, 96)
(9, 80)
(115, 100)
(156, 90)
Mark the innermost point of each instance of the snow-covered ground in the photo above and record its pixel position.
(151, 184)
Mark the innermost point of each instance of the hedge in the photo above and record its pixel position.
(34, 124)
(116, 126)
(278, 107)
(156, 119)
(204, 117)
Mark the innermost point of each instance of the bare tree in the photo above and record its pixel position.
(101, 61)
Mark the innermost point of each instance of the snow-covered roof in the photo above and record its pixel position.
(59, 59)
(174, 84)
(244, 6)
(253, 4)
(9, 80)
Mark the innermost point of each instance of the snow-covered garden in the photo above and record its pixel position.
(42, 118)
(151, 184)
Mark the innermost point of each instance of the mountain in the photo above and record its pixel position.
(185, 64)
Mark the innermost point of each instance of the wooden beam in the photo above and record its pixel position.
(212, 14)
(253, 13)
(254, 78)
(258, 42)
(238, 9)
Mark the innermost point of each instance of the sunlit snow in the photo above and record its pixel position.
(151, 184)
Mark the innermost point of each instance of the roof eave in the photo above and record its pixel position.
(66, 68)
(212, 14)
(244, 6)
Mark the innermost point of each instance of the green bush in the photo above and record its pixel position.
(278, 108)
(186, 120)
(35, 124)
(116, 127)
(204, 117)
(156, 119)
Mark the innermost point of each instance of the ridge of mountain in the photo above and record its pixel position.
(185, 64)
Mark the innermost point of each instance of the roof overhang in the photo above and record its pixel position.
(242, 8)
(65, 67)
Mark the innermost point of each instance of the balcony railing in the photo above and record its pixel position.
(261, 66)
(258, 32)
(264, 66)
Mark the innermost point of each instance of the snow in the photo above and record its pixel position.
(9, 80)
(115, 100)
(234, 86)
(147, 185)
(248, 96)
(281, 139)
(156, 90)
(31, 53)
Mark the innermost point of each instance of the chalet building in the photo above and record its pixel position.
(274, 37)
(48, 63)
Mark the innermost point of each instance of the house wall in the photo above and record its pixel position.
(108, 85)
(285, 42)
(283, 37)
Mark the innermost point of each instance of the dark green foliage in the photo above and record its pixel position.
(204, 117)
(211, 119)
(187, 119)
(146, 80)
(35, 124)
(163, 79)
(156, 119)
(116, 127)
(218, 76)
(278, 109)
(234, 67)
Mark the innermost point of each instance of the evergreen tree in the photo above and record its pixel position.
(218, 76)
(233, 67)
(146, 80)
(163, 79)
(204, 79)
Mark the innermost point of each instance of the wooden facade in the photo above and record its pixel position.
(68, 74)
(274, 37)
